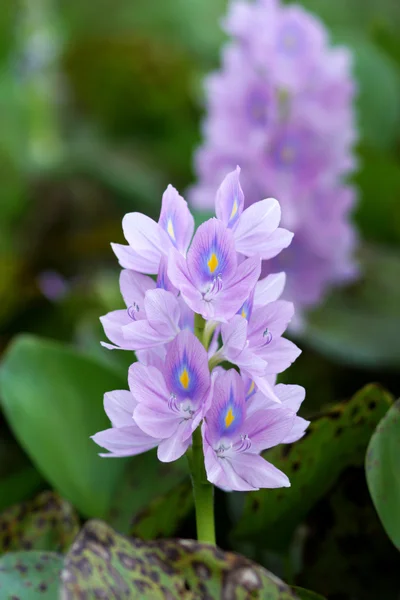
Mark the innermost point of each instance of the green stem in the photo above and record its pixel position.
(203, 492)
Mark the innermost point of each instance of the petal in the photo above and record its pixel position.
(147, 384)
(234, 292)
(124, 441)
(186, 370)
(140, 335)
(113, 324)
(265, 386)
(255, 226)
(119, 406)
(174, 447)
(234, 337)
(250, 363)
(179, 275)
(133, 287)
(126, 256)
(229, 200)
(212, 254)
(176, 219)
(256, 472)
(163, 312)
(155, 421)
(280, 354)
(276, 242)
(275, 317)
(163, 281)
(216, 473)
(298, 430)
(148, 242)
(291, 396)
(269, 289)
(228, 399)
(268, 428)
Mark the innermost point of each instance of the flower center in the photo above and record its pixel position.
(213, 289)
(133, 310)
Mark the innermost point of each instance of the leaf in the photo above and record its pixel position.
(306, 594)
(360, 325)
(46, 523)
(53, 400)
(137, 490)
(102, 563)
(150, 523)
(30, 575)
(383, 472)
(332, 443)
(19, 486)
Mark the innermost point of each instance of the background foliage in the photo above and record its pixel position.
(100, 107)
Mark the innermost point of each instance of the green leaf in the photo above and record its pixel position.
(137, 490)
(360, 324)
(383, 472)
(102, 563)
(150, 523)
(19, 486)
(46, 523)
(313, 464)
(30, 575)
(306, 594)
(53, 400)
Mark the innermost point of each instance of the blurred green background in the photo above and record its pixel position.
(100, 108)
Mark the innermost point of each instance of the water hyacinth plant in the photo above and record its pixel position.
(205, 307)
(281, 106)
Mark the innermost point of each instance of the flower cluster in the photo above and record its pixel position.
(282, 107)
(204, 307)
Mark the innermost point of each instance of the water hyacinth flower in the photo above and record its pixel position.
(281, 106)
(194, 302)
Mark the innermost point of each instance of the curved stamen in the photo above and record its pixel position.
(267, 335)
(133, 310)
(172, 403)
(215, 288)
(222, 449)
(245, 443)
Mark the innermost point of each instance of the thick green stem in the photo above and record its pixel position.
(203, 490)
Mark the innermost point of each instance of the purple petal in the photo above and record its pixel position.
(220, 472)
(269, 289)
(277, 241)
(124, 441)
(163, 312)
(186, 368)
(133, 288)
(298, 430)
(119, 406)
(180, 277)
(147, 384)
(273, 317)
(176, 219)
(255, 472)
(148, 242)
(163, 280)
(174, 447)
(268, 428)
(126, 256)
(291, 396)
(227, 411)
(154, 420)
(234, 293)
(255, 226)
(212, 254)
(113, 324)
(234, 337)
(280, 354)
(229, 200)
(140, 335)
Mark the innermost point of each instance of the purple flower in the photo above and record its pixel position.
(211, 280)
(233, 439)
(172, 400)
(281, 106)
(150, 241)
(124, 438)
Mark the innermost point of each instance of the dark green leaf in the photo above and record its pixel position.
(383, 472)
(333, 442)
(306, 594)
(30, 575)
(46, 523)
(360, 325)
(53, 400)
(102, 563)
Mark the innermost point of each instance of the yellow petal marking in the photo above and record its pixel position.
(212, 262)
(251, 388)
(244, 313)
(184, 379)
(170, 229)
(234, 209)
(229, 418)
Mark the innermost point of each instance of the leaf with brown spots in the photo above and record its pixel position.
(30, 575)
(332, 443)
(105, 564)
(46, 523)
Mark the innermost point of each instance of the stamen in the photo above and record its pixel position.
(132, 310)
(245, 443)
(222, 449)
(172, 404)
(214, 288)
(267, 335)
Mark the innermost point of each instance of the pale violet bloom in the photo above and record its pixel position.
(173, 399)
(211, 280)
(233, 439)
(150, 241)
